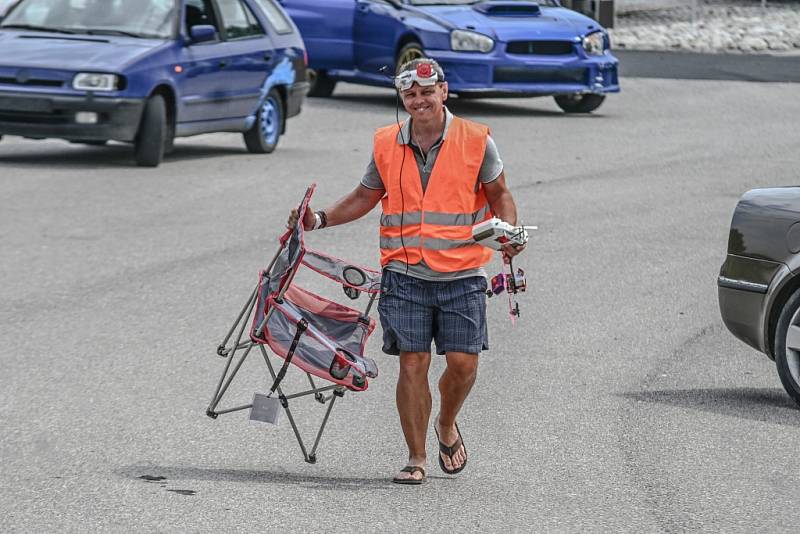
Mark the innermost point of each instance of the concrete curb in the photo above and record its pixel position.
(700, 66)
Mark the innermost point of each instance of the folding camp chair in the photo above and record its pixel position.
(322, 338)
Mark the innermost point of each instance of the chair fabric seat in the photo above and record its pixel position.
(335, 333)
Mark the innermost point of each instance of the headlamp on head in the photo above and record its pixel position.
(424, 75)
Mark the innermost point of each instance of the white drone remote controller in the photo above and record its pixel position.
(495, 233)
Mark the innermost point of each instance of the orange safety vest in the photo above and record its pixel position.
(436, 225)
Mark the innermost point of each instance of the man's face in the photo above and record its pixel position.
(425, 103)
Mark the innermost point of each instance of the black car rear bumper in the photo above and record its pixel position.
(746, 288)
(42, 116)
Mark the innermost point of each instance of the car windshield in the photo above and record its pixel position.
(547, 3)
(134, 18)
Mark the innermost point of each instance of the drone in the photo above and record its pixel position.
(494, 233)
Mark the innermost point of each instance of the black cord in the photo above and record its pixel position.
(402, 163)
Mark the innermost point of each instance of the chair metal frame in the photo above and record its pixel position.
(229, 351)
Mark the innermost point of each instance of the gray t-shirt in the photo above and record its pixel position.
(491, 168)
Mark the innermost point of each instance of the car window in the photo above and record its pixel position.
(4, 5)
(138, 18)
(549, 3)
(275, 16)
(200, 13)
(238, 20)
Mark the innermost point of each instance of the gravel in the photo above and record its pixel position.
(716, 29)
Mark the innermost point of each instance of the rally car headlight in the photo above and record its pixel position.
(466, 41)
(91, 81)
(594, 43)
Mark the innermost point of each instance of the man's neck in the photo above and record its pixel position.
(428, 130)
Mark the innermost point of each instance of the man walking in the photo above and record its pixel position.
(436, 176)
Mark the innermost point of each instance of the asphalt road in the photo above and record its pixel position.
(705, 66)
(619, 402)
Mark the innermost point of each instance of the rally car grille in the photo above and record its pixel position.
(539, 75)
(540, 48)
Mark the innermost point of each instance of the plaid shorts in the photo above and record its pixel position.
(415, 312)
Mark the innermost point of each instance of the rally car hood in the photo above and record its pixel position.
(71, 52)
(550, 23)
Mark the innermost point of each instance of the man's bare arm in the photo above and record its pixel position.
(503, 207)
(350, 207)
(500, 200)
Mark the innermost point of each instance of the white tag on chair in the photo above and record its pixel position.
(265, 409)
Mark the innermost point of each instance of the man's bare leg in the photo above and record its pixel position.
(414, 406)
(454, 386)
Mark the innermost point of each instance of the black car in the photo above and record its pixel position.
(759, 283)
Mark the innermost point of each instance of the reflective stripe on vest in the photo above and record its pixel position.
(430, 242)
(436, 224)
(433, 217)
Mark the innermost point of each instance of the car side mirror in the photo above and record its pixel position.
(203, 33)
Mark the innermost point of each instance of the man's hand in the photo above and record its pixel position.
(308, 219)
(509, 251)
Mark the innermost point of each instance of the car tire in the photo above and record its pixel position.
(409, 52)
(169, 138)
(787, 346)
(321, 85)
(263, 136)
(149, 143)
(579, 103)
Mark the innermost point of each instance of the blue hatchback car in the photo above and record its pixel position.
(147, 71)
(486, 47)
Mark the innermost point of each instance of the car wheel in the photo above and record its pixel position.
(149, 143)
(169, 138)
(787, 346)
(409, 52)
(262, 137)
(579, 103)
(321, 85)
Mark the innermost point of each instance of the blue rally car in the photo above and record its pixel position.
(486, 47)
(147, 71)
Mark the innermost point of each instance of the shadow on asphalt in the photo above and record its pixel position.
(471, 107)
(115, 155)
(164, 475)
(758, 404)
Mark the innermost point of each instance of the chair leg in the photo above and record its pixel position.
(285, 404)
(247, 309)
(220, 391)
(338, 392)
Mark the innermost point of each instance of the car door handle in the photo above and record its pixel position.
(223, 64)
(267, 56)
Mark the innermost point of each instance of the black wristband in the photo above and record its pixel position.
(323, 218)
